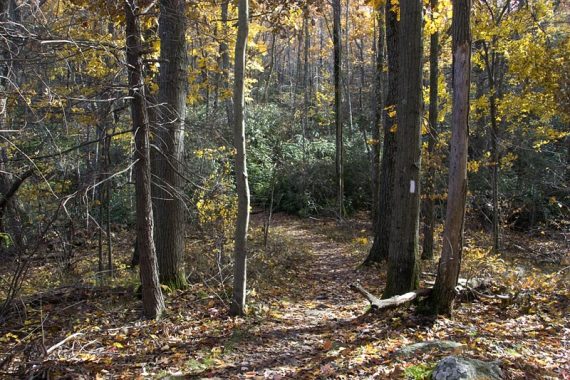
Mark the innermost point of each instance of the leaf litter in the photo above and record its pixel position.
(302, 323)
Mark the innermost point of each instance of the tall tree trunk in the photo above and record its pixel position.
(494, 166)
(378, 112)
(402, 257)
(170, 217)
(492, 64)
(153, 301)
(347, 78)
(428, 214)
(449, 265)
(339, 157)
(305, 120)
(381, 245)
(242, 186)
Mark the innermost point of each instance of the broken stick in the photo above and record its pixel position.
(379, 304)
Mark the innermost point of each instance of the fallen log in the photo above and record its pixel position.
(379, 304)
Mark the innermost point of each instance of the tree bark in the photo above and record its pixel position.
(339, 156)
(225, 56)
(381, 245)
(494, 165)
(450, 262)
(242, 186)
(429, 217)
(170, 216)
(152, 299)
(305, 120)
(403, 251)
(347, 77)
(271, 67)
(378, 113)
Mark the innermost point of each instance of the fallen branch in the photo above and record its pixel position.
(55, 346)
(379, 304)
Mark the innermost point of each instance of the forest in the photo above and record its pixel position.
(285, 189)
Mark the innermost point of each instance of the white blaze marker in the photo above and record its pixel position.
(412, 186)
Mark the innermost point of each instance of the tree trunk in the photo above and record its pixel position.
(170, 218)
(491, 60)
(270, 69)
(381, 246)
(494, 166)
(242, 186)
(225, 56)
(347, 78)
(305, 120)
(429, 217)
(377, 113)
(403, 251)
(153, 301)
(339, 157)
(450, 262)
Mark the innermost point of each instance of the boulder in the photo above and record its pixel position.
(459, 368)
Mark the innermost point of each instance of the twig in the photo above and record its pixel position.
(57, 345)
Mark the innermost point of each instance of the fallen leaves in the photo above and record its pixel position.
(309, 327)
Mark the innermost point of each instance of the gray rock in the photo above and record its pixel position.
(436, 345)
(458, 368)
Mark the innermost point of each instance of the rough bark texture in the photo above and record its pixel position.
(153, 301)
(242, 186)
(403, 250)
(339, 157)
(381, 245)
(450, 262)
(169, 210)
(428, 211)
(377, 113)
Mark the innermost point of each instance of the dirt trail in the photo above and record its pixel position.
(316, 311)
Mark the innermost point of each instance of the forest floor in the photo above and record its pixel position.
(303, 322)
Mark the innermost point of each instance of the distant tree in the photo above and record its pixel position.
(449, 265)
(242, 186)
(405, 204)
(169, 206)
(153, 301)
(428, 212)
(339, 158)
(379, 96)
